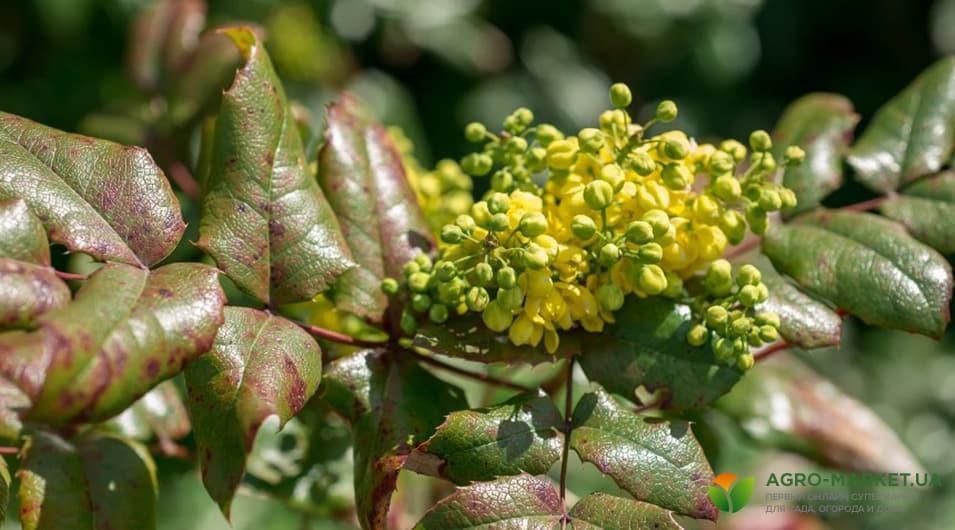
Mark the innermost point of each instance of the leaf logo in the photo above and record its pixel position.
(729, 495)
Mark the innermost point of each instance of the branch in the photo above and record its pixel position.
(184, 179)
(771, 349)
(568, 429)
(865, 206)
(340, 338)
(9, 450)
(69, 275)
(489, 379)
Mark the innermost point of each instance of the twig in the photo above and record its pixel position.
(568, 429)
(340, 338)
(184, 179)
(771, 349)
(865, 206)
(69, 275)
(9, 450)
(467, 373)
(744, 247)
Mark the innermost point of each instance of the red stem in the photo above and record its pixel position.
(69, 275)
(771, 349)
(340, 338)
(865, 206)
(467, 373)
(9, 450)
(184, 179)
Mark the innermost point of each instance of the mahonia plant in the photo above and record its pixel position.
(572, 225)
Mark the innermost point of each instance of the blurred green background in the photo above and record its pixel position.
(430, 66)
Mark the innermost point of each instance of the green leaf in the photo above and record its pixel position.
(395, 406)
(468, 338)
(265, 220)
(127, 330)
(482, 444)
(927, 209)
(599, 511)
(522, 502)
(28, 291)
(4, 489)
(89, 193)
(822, 125)
(260, 365)
(647, 347)
(660, 463)
(912, 135)
(867, 265)
(100, 483)
(785, 404)
(12, 401)
(160, 414)
(22, 236)
(159, 39)
(363, 176)
(805, 321)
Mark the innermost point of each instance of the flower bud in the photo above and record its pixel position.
(768, 318)
(480, 213)
(721, 162)
(410, 268)
(477, 164)
(643, 164)
(475, 132)
(768, 333)
(510, 299)
(483, 274)
(609, 254)
(418, 282)
(598, 194)
(697, 335)
(652, 280)
(438, 313)
(547, 133)
(535, 257)
(496, 318)
(506, 278)
(536, 159)
(450, 292)
(770, 200)
(591, 140)
(659, 221)
(748, 295)
(408, 323)
(583, 227)
(389, 286)
(610, 297)
(477, 299)
(524, 116)
(666, 111)
(533, 224)
(787, 198)
(502, 181)
(499, 222)
(762, 293)
(727, 187)
(675, 148)
(639, 232)
(733, 225)
(734, 148)
(676, 176)
(767, 162)
(611, 119)
(516, 144)
(794, 155)
(465, 222)
(451, 234)
(719, 278)
(723, 350)
(420, 302)
(706, 209)
(716, 316)
(620, 95)
(748, 275)
(561, 154)
(650, 253)
(760, 141)
(498, 203)
(745, 362)
(613, 175)
(740, 326)
(423, 261)
(757, 219)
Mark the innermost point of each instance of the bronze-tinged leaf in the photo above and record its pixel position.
(785, 404)
(90, 194)
(599, 511)
(159, 415)
(28, 291)
(260, 365)
(98, 483)
(127, 330)
(927, 209)
(12, 402)
(522, 502)
(22, 236)
(265, 220)
(162, 37)
(365, 182)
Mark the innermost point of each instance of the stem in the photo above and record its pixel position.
(467, 373)
(9, 450)
(69, 275)
(184, 179)
(865, 206)
(340, 338)
(568, 429)
(771, 349)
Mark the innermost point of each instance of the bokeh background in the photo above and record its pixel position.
(431, 66)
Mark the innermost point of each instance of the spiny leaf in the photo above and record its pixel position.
(912, 135)
(599, 511)
(126, 330)
(927, 209)
(260, 365)
(28, 291)
(867, 265)
(22, 236)
(647, 346)
(363, 176)
(519, 435)
(395, 405)
(822, 125)
(805, 321)
(108, 200)
(660, 463)
(160, 414)
(522, 502)
(100, 483)
(785, 404)
(265, 220)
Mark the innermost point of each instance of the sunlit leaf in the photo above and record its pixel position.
(522, 502)
(599, 511)
(927, 209)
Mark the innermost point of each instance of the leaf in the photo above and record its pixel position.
(522, 502)
(101, 483)
(4, 489)
(28, 291)
(22, 236)
(520, 435)
(159, 414)
(647, 347)
(785, 404)
(927, 209)
(912, 135)
(160, 37)
(822, 125)
(12, 401)
(265, 220)
(89, 193)
(660, 463)
(600, 511)
(127, 330)
(467, 337)
(364, 179)
(260, 365)
(805, 321)
(867, 265)
(396, 405)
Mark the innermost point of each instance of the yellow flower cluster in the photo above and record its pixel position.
(574, 224)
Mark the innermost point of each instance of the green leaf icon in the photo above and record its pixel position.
(719, 498)
(740, 493)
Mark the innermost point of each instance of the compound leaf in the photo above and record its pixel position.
(599, 511)
(522, 502)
